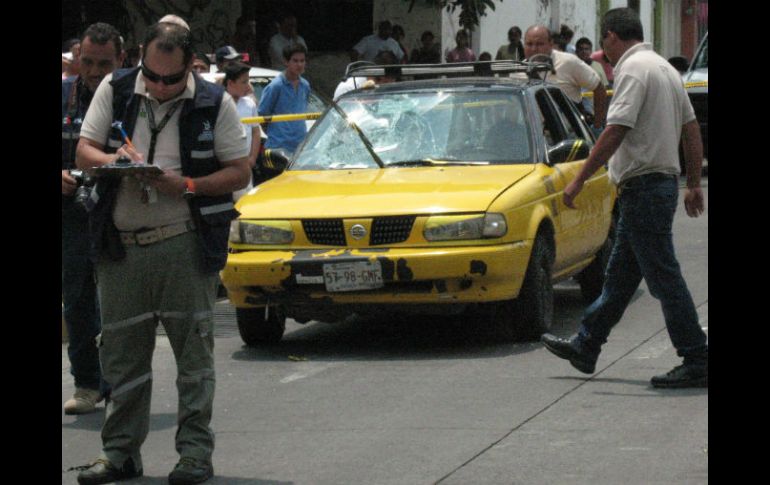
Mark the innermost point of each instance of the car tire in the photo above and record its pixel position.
(255, 330)
(530, 315)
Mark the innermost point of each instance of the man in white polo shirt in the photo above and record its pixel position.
(571, 74)
(649, 113)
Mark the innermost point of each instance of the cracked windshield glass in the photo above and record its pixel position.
(418, 129)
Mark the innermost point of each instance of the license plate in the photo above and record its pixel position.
(360, 275)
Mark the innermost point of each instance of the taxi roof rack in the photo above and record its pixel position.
(478, 68)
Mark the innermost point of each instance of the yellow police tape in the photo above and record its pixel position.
(277, 118)
(693, 84)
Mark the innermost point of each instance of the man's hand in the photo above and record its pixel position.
(693, 202)
(168, 182)
(68, 184)
(572, 190)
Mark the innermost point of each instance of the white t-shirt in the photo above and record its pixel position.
(649, 98)
(348, 85)
(130, 213)
(572, 74)
(247, 108)
(277, 43)
(371, 45)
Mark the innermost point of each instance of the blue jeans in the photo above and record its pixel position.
(81, 310)
(644, 248)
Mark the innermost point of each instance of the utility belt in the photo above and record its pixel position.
(144, 237)
(645, 180)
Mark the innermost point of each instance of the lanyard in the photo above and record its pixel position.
(155, 130)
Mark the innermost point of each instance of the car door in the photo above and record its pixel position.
(585, 227)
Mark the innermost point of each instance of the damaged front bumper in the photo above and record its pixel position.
(419, 276)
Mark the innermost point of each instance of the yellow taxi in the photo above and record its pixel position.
(437, 196)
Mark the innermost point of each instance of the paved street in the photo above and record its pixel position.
(372, 401)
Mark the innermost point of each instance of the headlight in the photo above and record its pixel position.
(453, 228)
(261, 232)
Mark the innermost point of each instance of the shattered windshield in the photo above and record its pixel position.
(419, 128)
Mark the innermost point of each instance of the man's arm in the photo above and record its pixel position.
(600, 106)
(605, 147)
(693, 158)
(91, 154)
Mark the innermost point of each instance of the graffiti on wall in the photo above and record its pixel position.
(212, 22)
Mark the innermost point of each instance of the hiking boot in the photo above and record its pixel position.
(572, 350)
(102, 471)
(84, 401)
(683, 376)
(190, 470)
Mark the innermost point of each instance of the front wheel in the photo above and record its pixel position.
(257, 330)
(531, 314)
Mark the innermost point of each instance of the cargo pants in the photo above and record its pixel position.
(160, 282)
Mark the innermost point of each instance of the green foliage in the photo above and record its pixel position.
(471, 11)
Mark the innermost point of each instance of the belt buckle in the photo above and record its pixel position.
(149, 236)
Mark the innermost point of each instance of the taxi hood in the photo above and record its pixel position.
(381, 192)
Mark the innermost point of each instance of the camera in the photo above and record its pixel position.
(85, 185)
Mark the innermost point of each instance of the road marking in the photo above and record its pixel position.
(307, 369)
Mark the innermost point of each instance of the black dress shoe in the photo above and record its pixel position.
(683, 376)
(189, 471)
(102, 471)
(572, 350)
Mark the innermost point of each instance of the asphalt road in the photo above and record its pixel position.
(371, 401)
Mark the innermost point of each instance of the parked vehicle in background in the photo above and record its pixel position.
(437, 196)
(696, 81)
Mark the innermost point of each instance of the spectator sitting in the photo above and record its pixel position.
(287, 36)
(461, 53)
(428, 53)
(371, 45)
(514, 50)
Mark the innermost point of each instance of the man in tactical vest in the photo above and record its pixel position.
(158, 242)
(100, 53)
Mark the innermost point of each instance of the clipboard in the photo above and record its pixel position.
(124, 169)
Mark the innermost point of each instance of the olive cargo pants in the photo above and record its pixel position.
(162, 282)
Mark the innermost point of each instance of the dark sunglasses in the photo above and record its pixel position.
(167, 80)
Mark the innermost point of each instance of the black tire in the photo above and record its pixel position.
(591, 279)
(255, 330)
(531, 314)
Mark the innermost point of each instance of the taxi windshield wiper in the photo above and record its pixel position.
(360, 133)
(429, 162)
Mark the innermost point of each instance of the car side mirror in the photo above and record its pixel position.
(568, 150)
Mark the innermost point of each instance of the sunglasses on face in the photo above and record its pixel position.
(167, 80)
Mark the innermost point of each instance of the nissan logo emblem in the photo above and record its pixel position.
(358, 231)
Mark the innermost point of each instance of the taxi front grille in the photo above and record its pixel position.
(328, 232)
(384, 230)
(391, 230)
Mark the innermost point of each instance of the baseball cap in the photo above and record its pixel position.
(233, 71)
(226, 52)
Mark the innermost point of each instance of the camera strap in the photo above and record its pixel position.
(155, 130)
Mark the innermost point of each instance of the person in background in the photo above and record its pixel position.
(583, 49)
(158, 242)
(237, 84)
(384, 58)
(429, 52)
(226, 55)
(599, 57)
(287, 93)
(680, 63)
(514, 50)
(567, 34)
(650, 113)
(572, 75)
(287, 36)
(462, 52)
(201, 63)
(244, 40)
(485, 56)
(399, 35)
(371, 45)
(70, 58)
(101, 53)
